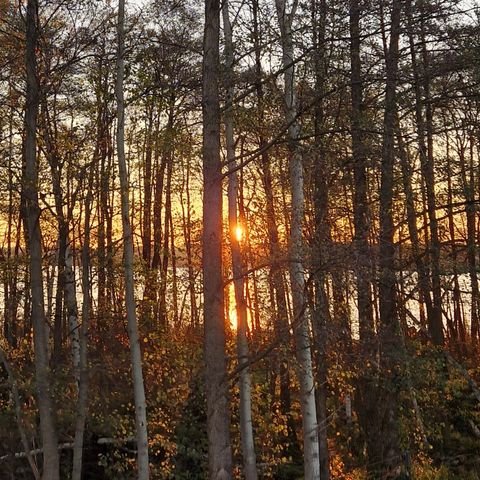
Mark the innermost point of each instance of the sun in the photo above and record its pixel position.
(238, 232)
(232, 311)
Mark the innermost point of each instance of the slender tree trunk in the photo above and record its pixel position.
(281, 310)
(390, 335)
(82, 400)
(51, 467)
(162, 293)
(147, 201)
(360, 205)
(218, 416)
(11, 296)
(187, 235)
(160, 167)
(424, 130)
(365, 397)
(302, 337)
(174, 271)
(72, 311)
(458, 322)
(128, 259)
(321, 236)
(246, 426)
(422, 270)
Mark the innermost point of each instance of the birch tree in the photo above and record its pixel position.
(296, 245)
(128, 259)
(246, 427)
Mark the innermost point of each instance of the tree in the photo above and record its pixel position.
(246, 427)
(218, 418)
(390, 335)
(31, 215)
(296, 247)
(128, 259)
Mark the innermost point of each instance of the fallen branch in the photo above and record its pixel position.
(68, 446)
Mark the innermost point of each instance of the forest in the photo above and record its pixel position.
(239, 239)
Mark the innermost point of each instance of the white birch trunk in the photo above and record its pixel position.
(297, 279)
(128, 258)
(246, 426)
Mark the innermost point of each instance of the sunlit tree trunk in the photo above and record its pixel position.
(218, 416)
(51, 467)
(128, 259)
(296, 247)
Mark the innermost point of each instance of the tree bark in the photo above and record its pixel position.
(246, 426)
(280, 309)
(321, 317)
(128, 259)
(218, 416)
(425, 146)
(360, 205)
(296, 247)
(51, 467)
(83, 380)
(390, 335)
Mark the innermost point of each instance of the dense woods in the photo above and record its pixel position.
(239, 239)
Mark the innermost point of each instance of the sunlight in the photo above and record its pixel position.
(238, 232)
(232, 310)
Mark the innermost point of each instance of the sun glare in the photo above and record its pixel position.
(232, 311)
(238, 232)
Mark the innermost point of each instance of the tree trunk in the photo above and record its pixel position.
(321, 235)
(82, 400)
(424, 130)
(302, 337)
(128, 259)
(360, 205)
(422, 270)
(218, 416)
(147, 201)
(280, 309)
(390, 335)
(51, 467)
(246, 427)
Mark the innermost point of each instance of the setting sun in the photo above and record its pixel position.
(238, 232)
